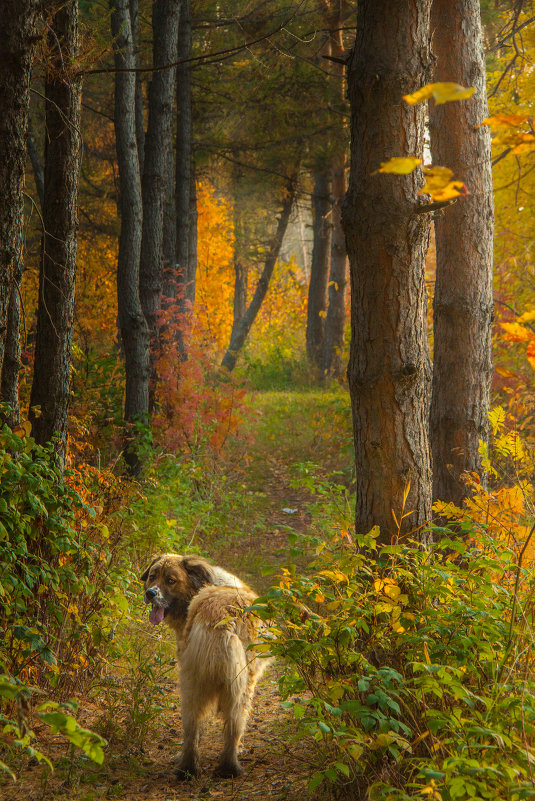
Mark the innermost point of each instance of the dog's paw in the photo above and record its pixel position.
(227, 770)
(187, 770)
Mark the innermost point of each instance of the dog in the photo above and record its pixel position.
(219, 669)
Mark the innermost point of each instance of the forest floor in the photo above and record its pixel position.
(284, 429)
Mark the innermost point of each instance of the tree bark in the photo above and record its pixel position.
(140, 116)
(184, 133)
(333, 343)
(55, 314)
(389, 371)
(132, 323)
(319, 267)
(12, 355)
(335, 323)
(241, 331)
(18, 39)
(241, 271)
(165, 14)
(463, 303)
(191, 275)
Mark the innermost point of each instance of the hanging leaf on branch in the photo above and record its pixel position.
(514, 132)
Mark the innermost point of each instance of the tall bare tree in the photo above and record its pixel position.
(158, 143)
(333, 344)
(63, 152)
(389, 373)
(19, 34)
(319, 267)
(133, 326)
(463, 301)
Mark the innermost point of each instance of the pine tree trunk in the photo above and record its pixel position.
(389, 371)
(140, 116)
(241, 272)
(333, 344)
(463, 303)
(319, 267)
(18, 39)
(241, 331)
(12, 355)
(55, 314)
(184, 134)
(191, 275)
(132, 323)
(165, 14)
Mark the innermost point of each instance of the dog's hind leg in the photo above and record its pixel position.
(235, 705)
(196, 706)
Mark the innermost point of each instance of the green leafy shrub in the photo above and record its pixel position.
(411, 669)
(60, 593)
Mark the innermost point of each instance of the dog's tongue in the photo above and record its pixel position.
(156, 615)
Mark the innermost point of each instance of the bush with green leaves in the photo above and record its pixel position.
(410, 668)
(60, 593)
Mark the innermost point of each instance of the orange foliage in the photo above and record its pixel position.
(214, 291)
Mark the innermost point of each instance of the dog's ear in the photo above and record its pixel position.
(147, 571)
(199, 573)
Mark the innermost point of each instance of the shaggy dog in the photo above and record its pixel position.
(205, 607)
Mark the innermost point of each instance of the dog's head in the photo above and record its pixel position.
(171, 581)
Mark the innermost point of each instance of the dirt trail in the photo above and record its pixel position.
(276, 766)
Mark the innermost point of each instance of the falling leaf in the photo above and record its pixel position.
(505, 121)
(399, 165)
(440, 186)
(442, 92)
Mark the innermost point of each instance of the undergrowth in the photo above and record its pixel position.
(410, 669)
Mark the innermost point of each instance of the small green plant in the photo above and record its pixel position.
(134, 693)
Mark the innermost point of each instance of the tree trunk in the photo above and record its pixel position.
(191, 275)
(241, 272)
(132, 323)
(140, 116)
(184, 134)
(165, 14)
(463, 302)
(18, 39)
(55, 315)
(319, 267)
(389, 371)
(12, 354)
(333, 344)
(241, 331)
(335, 323)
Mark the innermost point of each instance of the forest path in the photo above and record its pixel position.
(284, 429)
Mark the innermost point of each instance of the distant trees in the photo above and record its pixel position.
(463, 301)
(389, 369)
(241, 329)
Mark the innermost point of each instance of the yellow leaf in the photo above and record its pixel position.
(496, 418)
(442, 92)
(527, 317)
(392, 591)
(322, 314)
(439, 186)
(399, 165)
